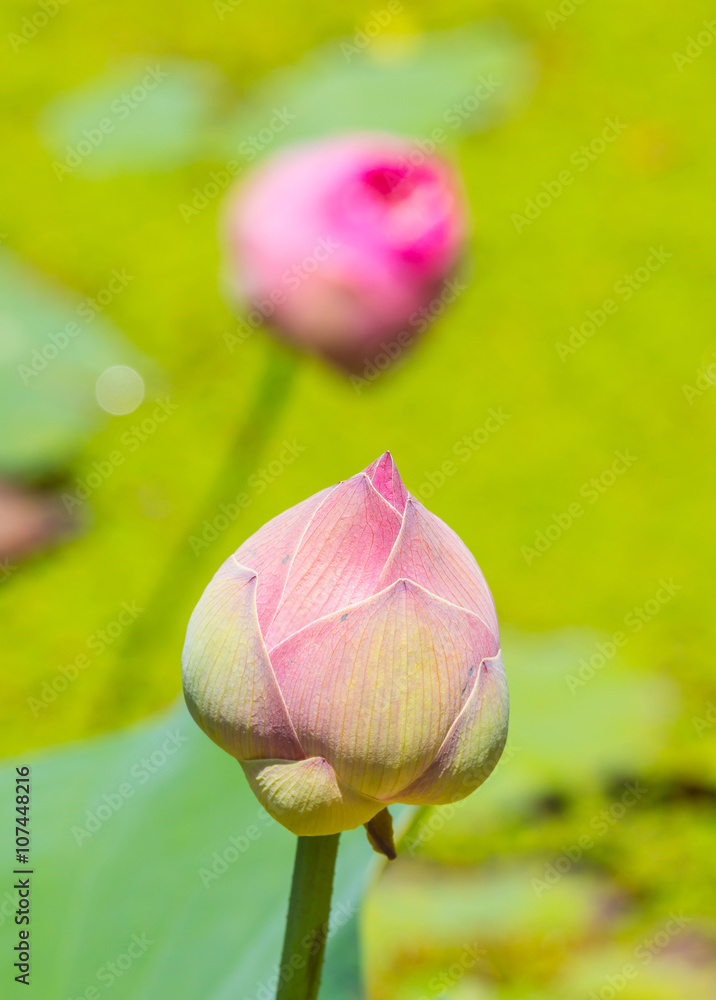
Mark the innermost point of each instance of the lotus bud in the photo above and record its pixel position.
(348, 656)
(341, 245)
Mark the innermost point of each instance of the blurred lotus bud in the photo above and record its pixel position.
(29, 522)
(339, 244)
(348, 656)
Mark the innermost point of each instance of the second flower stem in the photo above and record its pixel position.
(307, 923)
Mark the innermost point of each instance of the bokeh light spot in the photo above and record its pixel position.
(119, 389)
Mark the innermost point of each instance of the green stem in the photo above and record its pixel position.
(158, 634)
(308, 912)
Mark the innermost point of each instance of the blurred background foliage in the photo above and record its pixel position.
(478, 905)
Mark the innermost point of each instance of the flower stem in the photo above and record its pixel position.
(158, 634)
(307, 923)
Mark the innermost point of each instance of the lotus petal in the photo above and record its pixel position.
(269, 552)
(473, 745)
(340, 556)
(229, 684)
(432, 554)
(384, 475)
(307, 796)
(374, 688)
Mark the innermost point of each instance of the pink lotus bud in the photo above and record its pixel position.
(348, 656)
(339, 244)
